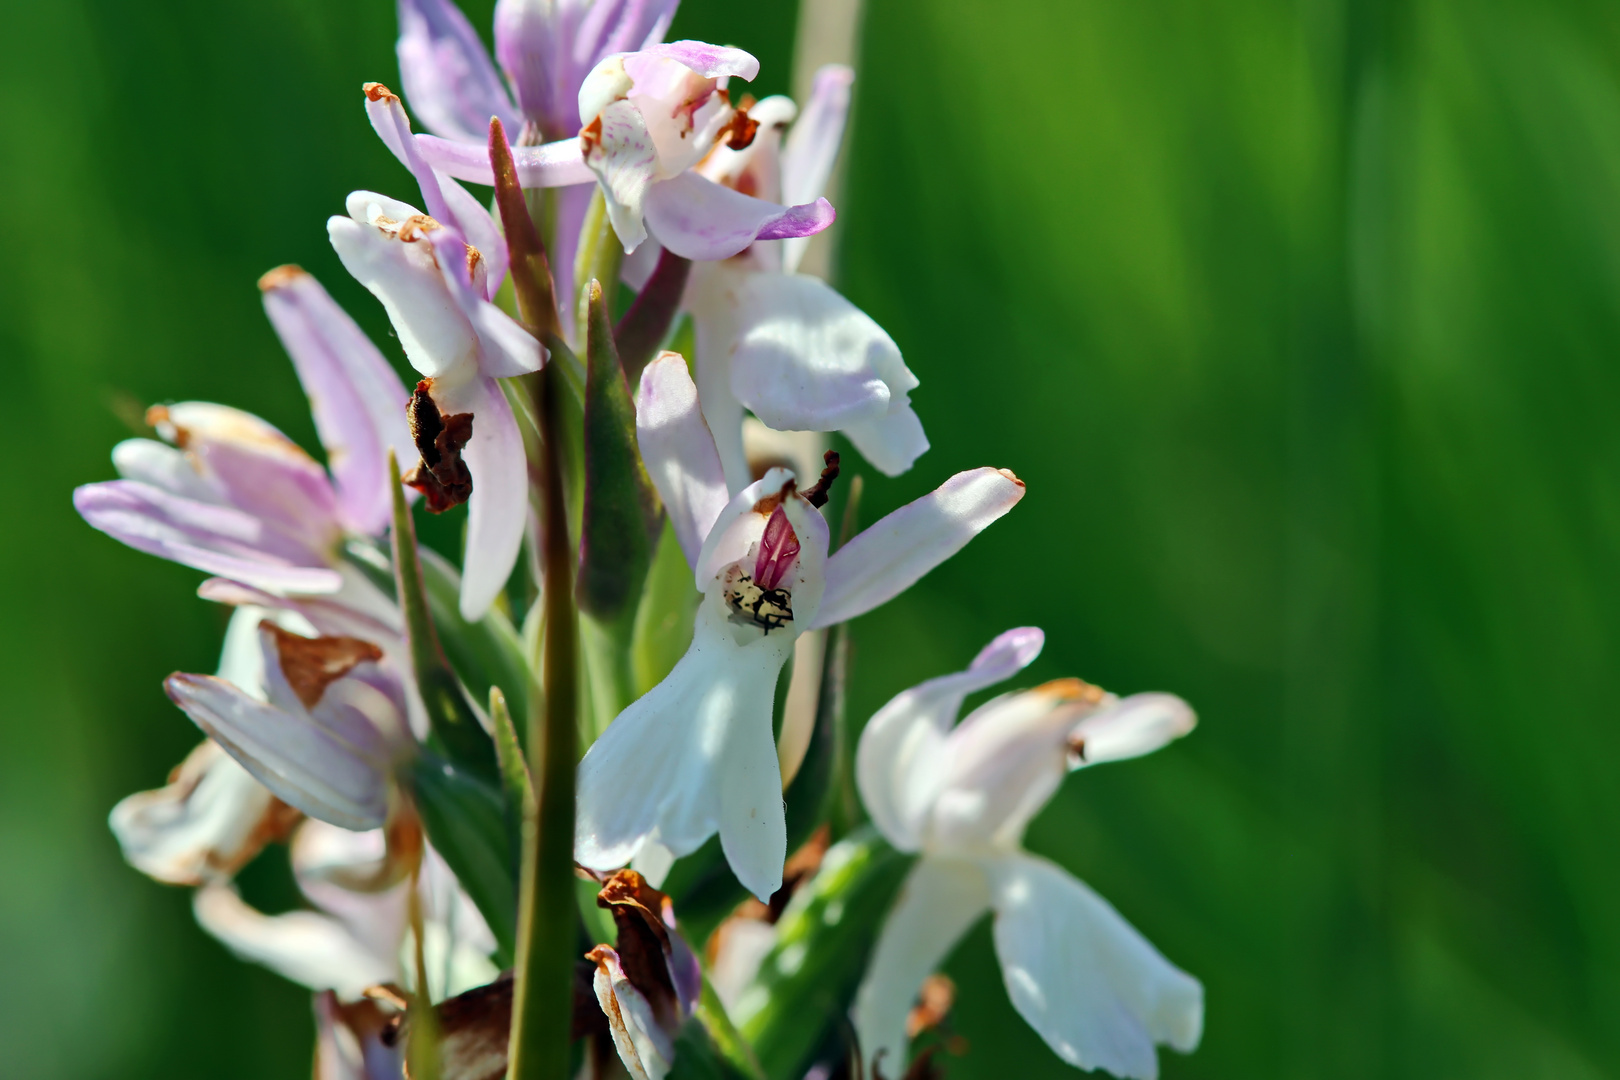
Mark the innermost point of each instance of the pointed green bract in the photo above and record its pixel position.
(806, 982)
(669, 603)
(466, 821)
(455, 725)
(622, 514)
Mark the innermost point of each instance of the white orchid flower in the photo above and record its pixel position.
(435, 287)
(1086, 981)
(786, 346)
(695, 754)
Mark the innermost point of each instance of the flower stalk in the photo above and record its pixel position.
(543, 991)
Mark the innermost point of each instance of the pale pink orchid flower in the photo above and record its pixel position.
(786, 346)
(695, 755)
(961, 796)
(229, 494)
(434, 286)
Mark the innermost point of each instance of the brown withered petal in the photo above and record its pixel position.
(441, 476)
(739, 132)
(475, 1026)
(310, 665)
(643, 946)
(817, 495)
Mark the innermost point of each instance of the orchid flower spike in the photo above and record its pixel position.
(433, 284)
(695, 754)
(228, 493)
(1086, 981)
(648, 118)
(783, 345)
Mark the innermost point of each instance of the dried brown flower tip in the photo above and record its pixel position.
(441, 476)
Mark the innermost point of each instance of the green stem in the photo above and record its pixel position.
(608, 666)
(542, 1004)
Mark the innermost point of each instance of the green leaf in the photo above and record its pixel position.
(704, 890)
(485, 654)
(806, 982)
(455, 725)
(708, 1047)
(664, 618)
(622, 515)
(812, 787)
(517, 786)
(466, 821)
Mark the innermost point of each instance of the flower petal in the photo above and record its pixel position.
(753, 823)
(166, 468)
(554, 164)
(334, 776)
(307, 948)
(216, 539)
(657, 773)
(803, 358)
(405, 276)
(506, 349)
(1140, 724)
(620, 151)
(644, 1047)
(1090, 985)
(709, 61)
(499, 505)
(445, 199)
(812, 146)
(699, 219)
(899, 764)
(679, 451)
(939, 901)
(356, 399)
(447, 74)
(886, 559)
(205, 824)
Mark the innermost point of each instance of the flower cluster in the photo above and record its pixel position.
(649, 544)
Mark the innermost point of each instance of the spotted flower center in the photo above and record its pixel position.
(757, 597)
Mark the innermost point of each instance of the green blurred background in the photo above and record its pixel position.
(1299, 319)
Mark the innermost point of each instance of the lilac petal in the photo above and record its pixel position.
(899, 764)
(216, 539)
(404, 274)
(506, 349)
(886, 559)
(499, 506)
(447, 74)
(393, 127)
(164, 467)
(812, 146)
(445, 199)
(332, 775)
(556, 164)
(357, 401)
(679, 451)
(259, 471)
(615, 26)
(701, 220)
(530, 45)
(709, 61)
